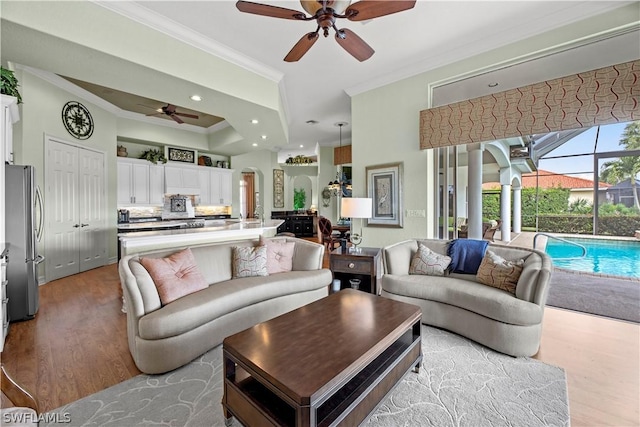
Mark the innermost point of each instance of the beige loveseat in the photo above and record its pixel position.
(511, 324)
(162, 338)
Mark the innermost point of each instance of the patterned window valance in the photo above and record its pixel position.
(599, 97)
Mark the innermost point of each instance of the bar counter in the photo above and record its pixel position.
(145, 241)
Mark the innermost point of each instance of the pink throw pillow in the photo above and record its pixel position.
(279, 256)
(175, 276)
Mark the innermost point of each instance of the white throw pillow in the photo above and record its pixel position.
(428, 263)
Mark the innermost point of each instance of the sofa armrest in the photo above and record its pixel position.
(396, 258)
(533, 285)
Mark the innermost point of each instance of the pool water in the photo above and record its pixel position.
(604, 256)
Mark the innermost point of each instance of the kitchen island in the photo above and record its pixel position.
(229, 230)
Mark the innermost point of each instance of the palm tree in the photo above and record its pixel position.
(627, 167)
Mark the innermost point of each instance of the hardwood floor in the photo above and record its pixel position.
(77, 345)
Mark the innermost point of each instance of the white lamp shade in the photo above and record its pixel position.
(356, 207)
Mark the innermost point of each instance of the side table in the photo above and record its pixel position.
(364, 265)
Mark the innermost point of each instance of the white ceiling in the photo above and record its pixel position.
(318, 87)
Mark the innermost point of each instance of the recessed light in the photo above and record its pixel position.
(494, 84)
(196, 98)
(255, 144)
(312, 122)
(255, 121)
(264, 137)
(301, 146)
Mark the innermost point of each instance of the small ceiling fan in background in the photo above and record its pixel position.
(170, 110)
(325, 13)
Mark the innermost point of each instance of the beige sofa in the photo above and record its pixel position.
(162, 338)
(511, 324)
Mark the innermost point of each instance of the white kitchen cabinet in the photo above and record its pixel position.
(181, 179)
(10, 115)
(133, 182)
(156, 184)
(204, 178)
(221, 187)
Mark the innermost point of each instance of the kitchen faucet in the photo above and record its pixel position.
(259, 213)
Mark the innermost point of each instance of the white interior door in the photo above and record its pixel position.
(92, 210)
(61, 211)
(75, 209)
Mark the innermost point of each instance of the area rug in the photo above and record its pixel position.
(593, 294)
(460, 383)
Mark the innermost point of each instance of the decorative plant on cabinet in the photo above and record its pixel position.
(299, 198)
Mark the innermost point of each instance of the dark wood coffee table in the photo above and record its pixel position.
(330, 362)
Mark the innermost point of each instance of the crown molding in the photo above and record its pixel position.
(453, 56)
(153, 20)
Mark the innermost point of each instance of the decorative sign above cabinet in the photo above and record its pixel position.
(77, 120)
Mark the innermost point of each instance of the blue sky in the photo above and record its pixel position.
(608, 140)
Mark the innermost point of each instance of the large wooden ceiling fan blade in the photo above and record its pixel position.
(353, 44)
(266, 10)
(176, 118)
(300, 48)
(192, 116)
(369, 9)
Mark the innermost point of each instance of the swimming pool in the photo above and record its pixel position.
(604, 256)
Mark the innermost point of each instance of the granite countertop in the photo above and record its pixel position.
(229, 225)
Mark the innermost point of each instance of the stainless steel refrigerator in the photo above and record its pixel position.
(24, 226)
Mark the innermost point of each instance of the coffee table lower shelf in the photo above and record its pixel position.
(253, 401)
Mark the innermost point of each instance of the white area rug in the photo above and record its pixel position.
(460, 383)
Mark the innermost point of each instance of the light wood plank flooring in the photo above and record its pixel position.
(77, 345)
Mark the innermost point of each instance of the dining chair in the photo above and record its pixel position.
(329, 238)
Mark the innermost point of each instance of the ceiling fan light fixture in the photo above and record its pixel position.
(312, 6)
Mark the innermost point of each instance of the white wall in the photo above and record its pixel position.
(385, 120)
(42, 114)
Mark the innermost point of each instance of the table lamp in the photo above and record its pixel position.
(356, 207)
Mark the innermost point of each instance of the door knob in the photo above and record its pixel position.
(84, 225)
(76, 225)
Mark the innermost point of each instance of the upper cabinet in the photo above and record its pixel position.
(10, 115)
(143, 183)
(181, 179)
(133, 182)
(221, 186)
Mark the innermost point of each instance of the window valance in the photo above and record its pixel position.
(603, 96)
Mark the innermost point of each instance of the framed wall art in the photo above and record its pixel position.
(278, 188)
(384, 187)
(183, 155)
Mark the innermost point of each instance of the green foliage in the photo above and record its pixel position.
(154, 156)
(612, 225)
(580, 207)
(299, 198)
(9, 84)
(631, 136)
(609, 209)
(551, 201)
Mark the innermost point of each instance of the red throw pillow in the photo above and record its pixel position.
(175, 276)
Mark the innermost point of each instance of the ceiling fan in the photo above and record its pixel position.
(170, 110)
(325, 13)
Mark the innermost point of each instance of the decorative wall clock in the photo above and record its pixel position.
(77, 120)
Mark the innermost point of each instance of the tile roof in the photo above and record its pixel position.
(548, 179)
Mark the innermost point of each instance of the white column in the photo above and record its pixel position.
(517, 210)
(475, 190)
(505, 213)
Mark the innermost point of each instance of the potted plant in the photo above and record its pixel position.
(299, 198)
(154, 156)
(9, 84)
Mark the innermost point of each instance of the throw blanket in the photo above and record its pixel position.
(466, 255)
